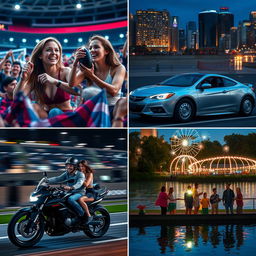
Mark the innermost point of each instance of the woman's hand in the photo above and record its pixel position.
(45, 79)
(27, 70)
(80, 53)
(88, 72)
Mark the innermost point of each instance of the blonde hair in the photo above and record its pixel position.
(36, 86)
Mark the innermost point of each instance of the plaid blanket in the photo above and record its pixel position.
(4, 105)
(93, 113)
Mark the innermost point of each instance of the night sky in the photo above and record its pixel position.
(187, 10)
(211, 134)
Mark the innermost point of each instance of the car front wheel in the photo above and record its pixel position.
(184, 110)
(246, 106)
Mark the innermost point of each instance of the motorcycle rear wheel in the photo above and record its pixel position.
(17, 233)
(100, 214)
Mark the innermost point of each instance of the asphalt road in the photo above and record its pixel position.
(206, 121)
(117, 231)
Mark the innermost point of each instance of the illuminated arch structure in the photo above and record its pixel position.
(223, 165)
(180, 164)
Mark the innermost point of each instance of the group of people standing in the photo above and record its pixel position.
(167, 202)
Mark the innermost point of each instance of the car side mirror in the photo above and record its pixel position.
(206, 86)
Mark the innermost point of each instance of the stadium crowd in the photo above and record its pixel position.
(48, 88)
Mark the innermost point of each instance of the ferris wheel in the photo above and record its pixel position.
(185, 142)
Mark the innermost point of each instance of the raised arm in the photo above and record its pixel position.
(117, 81)
(6, 57)
(76, 76)
(22, 84)
(47, 79)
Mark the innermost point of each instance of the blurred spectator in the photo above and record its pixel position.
(8, 86)
(16, 70)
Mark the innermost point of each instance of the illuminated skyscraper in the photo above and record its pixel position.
(175, 34)
(182, 39)
(190, 29)
(225, 23)
(152, 30)
(233, 38)
(208, 29)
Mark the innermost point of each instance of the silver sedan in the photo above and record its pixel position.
(187, 95)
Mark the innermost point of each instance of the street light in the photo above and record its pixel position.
(226, 148)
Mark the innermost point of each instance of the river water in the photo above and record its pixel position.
(192, 240)
(145, 193)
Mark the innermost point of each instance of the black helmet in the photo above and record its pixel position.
(73, 161)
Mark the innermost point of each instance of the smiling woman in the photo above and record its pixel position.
(107, 71)
(45, 78)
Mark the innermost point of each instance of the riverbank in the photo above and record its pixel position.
(182, 219)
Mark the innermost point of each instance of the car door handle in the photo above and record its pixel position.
(224, 91)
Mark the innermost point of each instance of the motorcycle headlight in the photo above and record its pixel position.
(33, 199)
(161, 96)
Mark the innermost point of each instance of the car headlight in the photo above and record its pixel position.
(161, 96)
(131, 92)
(33, 199)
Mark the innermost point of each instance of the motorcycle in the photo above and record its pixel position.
(52, 214)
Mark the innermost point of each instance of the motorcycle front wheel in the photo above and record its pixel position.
(18, 232)
(100, 224)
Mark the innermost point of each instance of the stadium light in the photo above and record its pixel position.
(17, 7)
(37, 41)
(11, 39)
(80, 40)
(24, 40)
(65, 40)
(78, 6)
(121, 35)
(107, 37)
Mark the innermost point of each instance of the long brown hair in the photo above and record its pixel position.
(36, 86)
(88, 169)
(111, 58)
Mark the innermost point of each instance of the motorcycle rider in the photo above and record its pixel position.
(74, 180)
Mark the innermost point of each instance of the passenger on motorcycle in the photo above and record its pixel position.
(88, 185)
(74, 181)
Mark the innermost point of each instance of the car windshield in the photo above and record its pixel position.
(182, 80)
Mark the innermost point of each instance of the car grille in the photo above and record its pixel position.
(136, 108)
(136, 98)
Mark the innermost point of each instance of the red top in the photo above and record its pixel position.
(59, 97)
(239, 199)
(162, 199)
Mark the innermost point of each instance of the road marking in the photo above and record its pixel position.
(111, 240)
(118, 224)
(111, 225)
(118, 213)
(204, 122)
(5, 237)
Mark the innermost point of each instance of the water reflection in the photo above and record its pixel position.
(192, 238)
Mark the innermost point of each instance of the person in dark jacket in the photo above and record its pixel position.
(228, 199)
(74, 181)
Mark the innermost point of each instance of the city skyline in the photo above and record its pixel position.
(193, 7)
